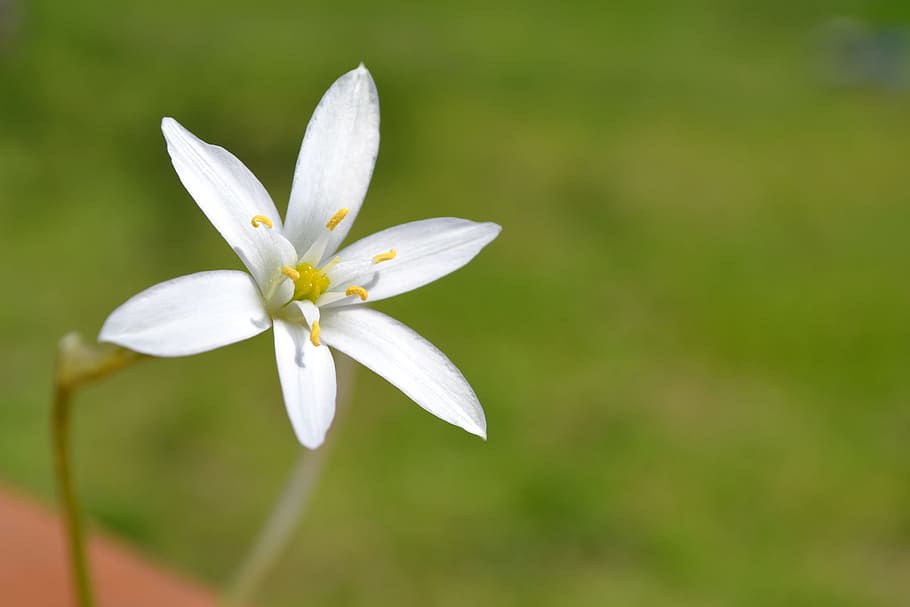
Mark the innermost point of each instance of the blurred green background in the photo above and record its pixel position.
(691, 339)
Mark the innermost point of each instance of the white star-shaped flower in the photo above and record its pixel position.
(298, 284)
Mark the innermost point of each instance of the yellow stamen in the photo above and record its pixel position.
(259, 220)
(314, 333)
(355, 290)
(290, 272)
(336, 218)
(385, 256)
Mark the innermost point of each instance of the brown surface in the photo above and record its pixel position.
(34, 573)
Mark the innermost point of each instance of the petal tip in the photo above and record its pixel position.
(489, 231)
(103, 337)
(109, 330)
(360, 74)
(477, 427)
(117, 336)
(311, 443)
(169, 124)
(174, 132)
(361, 70)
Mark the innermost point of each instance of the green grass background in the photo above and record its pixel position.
(691, 339)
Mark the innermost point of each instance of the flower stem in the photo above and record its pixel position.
(276, 534)
(77, 363)
(71, 516)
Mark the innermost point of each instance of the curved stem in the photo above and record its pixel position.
(276, 534)
(78, 363)
(72, 518)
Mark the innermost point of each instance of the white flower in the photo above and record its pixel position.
(300, 286)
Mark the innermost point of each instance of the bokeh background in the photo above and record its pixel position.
(691, 339)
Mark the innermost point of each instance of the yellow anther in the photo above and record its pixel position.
(385, 256)
(314, 333)
(259, 220)
(359, 291)
(290, 272)
(336, 218)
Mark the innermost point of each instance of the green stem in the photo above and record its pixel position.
(71, 516)
(276, 534)
(78, 363)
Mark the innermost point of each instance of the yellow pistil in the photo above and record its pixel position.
(385, 256)
(259, 220)
(290, 273)
(359, 291)
(314, 333)
(310, 282)
(337, 218)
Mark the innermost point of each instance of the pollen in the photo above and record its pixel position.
(314, 333)
(385, 256)
(310, 282)
(337, 218)
(259, 220)
(290, 273)
(359, 291)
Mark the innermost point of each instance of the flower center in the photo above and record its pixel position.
(309, 283)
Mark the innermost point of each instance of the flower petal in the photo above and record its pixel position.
(189, 315)
(230, 196)
(307, 374)
(304, 310)
(408, 361)
(336, 160)
(424, 251)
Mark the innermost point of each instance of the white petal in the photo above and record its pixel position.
(305, 310)
(336, 160)
(281, 290)
(408, 361)
(230, 196)
(329, 298)
(307, 374)
(188, 315)
(351, 272)
(425, 251)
